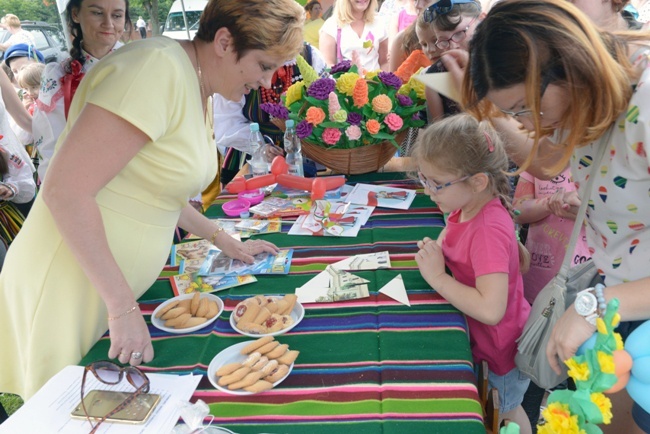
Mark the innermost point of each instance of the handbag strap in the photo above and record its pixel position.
(339, 53)
(582, 211)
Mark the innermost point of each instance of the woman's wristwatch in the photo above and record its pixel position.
(590, 303)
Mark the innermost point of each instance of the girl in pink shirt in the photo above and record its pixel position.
(462, 165)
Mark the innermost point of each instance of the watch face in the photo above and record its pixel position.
(586, 304)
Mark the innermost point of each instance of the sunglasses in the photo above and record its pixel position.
(111, 373)
(442, 7)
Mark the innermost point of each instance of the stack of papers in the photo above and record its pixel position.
(333, 219)
(48, 411)
(217, 263)
(380, 196)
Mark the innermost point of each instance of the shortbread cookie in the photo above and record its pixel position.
(165, 309)
(259, 386)
(246, 311)
(256, 344)
(277, 373)
(228, 369)
(289, 357)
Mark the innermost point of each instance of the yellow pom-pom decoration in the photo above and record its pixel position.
(606, 362)
(559, 420)
(340, 116)
(371, 75)
(577, 371)
(345, 83)
(604, 405)
(294, 93)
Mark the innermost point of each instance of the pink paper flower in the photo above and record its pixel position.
(333, 105)
(393, 121)
(353, 132)
(331, 136)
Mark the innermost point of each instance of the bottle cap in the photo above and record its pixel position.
(289, 123)
(254, 126)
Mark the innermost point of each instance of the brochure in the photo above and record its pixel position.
(217, 263)
(191, 282)
(190, 255)
(252, 225)
(281, 207)
(332, 218)
(229, 226)
(380, 196)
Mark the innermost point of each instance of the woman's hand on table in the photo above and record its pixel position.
(245, 251)
(130, 339)
(430, 260)
(570, 331)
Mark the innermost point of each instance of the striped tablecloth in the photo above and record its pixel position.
(368, 366)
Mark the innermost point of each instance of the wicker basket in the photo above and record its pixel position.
(353, 161)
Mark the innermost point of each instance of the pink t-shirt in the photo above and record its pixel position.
(483, 245)
(404, 19)
(548, 238)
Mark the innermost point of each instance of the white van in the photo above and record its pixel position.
(175, 25)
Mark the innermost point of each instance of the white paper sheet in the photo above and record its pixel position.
(368, 261)
(396, 290)
(48, 411)
(442, 83)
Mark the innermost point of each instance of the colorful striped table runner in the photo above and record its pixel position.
(368, 366)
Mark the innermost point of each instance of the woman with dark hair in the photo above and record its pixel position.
(96, 28)
(136, 147)
(315, 22)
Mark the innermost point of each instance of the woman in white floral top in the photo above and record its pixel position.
(96, 29)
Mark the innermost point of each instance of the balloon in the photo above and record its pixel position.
(620, 383)
(638, 345)
(279, 166)
(587, 345)
(318, 189)
(237, 185)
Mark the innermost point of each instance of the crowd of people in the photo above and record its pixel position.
(545, 83)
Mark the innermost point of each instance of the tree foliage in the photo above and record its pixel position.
(37, 10)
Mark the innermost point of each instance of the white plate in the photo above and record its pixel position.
(232, 355)
(159, 323)
(297, 314)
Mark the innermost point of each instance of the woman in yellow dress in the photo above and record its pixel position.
(136, 147)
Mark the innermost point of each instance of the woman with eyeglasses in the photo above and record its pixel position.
(453, 23)
(575, 89)
(354, 33)
(137, 146)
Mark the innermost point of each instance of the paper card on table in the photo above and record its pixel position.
(191, 282)
(380, 196)
(369, 261)
(332, 218)
(395, 289)
(442, 83)
(333, 285)
(217, 263)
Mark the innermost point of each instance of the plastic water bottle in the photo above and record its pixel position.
(293, 149)
(258, 163)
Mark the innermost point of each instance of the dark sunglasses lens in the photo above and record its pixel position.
(137, 377)
(107, 372)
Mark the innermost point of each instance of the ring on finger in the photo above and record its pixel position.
(136, 355)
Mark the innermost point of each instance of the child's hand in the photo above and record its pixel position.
(564, 204)
(6, 193)
(430, 260)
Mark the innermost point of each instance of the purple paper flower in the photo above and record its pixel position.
(321, 88)
(342, 66)
(390, 79)
(304, 129)
(354, 118)
(404, 100)
(275, 110)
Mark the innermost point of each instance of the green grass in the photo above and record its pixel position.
(11, 403)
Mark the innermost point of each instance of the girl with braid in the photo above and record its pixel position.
(96, 27)
(462, 166)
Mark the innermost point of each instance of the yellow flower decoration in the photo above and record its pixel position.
(294, 93)
(619, 341)
(308, 73)
(604, 405)
(340, 116)
(415, 85)
(616, 320)
(606, 362)
(601, 326)
(382, 104)
(577, 371)
(559, 420)
(371, 75)
(345, 83)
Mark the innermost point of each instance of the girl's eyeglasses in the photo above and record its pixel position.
(520, 113)
(442, 7)
(457, 37)
(435, 188)
(111, 373)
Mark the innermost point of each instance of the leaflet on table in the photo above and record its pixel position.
(333, 285)
(279, 207)
(332, 219)
(229, 225)
(380, 196)
(252, 225)
(286, 192)
(217, 263)
(189, 256)
(191, 282)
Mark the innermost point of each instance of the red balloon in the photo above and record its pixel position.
(237, 185)
(279, 166)
(260, 181)
(318, 189)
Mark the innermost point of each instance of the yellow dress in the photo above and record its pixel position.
(311, 31)
(50, 315)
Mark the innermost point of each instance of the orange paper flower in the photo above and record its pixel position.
(315, 115)
(360, 93)
(382, 104)
(373, 126)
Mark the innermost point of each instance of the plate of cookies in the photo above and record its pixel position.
(187, 313)
(267, 315)
(251, 367)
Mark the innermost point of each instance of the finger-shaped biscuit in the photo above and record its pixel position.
(213, 310)
(250, 379)
(256, 344)
(291, 301)
(204, 307)
(173, 313)
(262, 316)
(250, 327)
(272, 306)
(246, 311)
(282, 305)
(289, 357)
(194, 305)
(277, 351)
(259, 386)
(192, 322)
(260, 299)
(277, 373)
(174, 322)
(164, 310)
(268, 347)
(260, 363)
(251, 359)
(271, 366)
(234, 377)
(228, 369)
